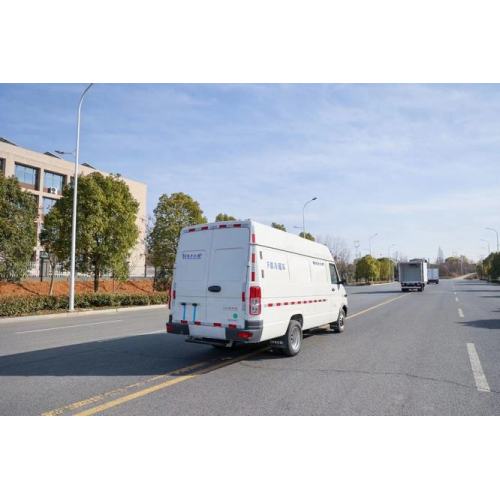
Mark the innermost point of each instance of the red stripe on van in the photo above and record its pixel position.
(222, 226)
(232, 325)
(192, 230)
(285, 303)
(217, 324)
(236, 225)
(204, 228)
(242, 296)
(253, 238)
(253, 258)
(278, 304)
(253, 276)
(293, 303)
(197, 322)
(270, 305)
(184, 322)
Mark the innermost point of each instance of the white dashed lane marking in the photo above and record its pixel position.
(477, 370)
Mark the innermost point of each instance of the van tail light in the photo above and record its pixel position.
(244, 335)
(255, 303)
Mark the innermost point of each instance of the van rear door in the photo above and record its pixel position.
(191, 276)
(227, 275)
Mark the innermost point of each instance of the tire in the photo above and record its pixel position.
(293, 339)
(404, 289)
(339, 325)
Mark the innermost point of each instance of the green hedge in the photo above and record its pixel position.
(20, 305)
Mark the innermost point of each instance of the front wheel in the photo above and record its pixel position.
(339, 325)
(293, 339)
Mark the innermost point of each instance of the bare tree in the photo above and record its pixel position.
(341, 253)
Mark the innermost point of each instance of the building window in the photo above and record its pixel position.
(53, 183)
(2, 166)
(48, 203)
(27, 176)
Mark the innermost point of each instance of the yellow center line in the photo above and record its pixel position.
(197, 370)
(351, 316)
(163, 385)
(99, 397)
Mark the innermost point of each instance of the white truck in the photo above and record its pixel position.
(245, 282)
(433, 275)
(413, 275)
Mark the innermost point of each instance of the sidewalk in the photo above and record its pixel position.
(81, 312)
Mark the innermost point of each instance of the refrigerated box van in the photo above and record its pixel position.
(245, 282)
(433, 275)
(413, 275)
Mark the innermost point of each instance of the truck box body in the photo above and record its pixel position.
(241, 281)
(413, 274)
(433, 275)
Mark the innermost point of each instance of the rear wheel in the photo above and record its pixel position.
(339, 325)
(293, 339)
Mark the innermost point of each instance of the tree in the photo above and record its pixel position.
(171, 214)
(222, 217)
(106, 227)
(17, 229)
(386, 267)
(53, 240)
(341, 254)
(491, 266)
(367, 268)
(281, 227)
(308, 236)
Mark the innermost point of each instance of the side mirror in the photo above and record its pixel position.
(343, 281)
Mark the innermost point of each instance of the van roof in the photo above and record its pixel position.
(268, 236)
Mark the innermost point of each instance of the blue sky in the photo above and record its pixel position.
(417, 164)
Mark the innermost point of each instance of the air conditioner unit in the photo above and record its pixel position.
(53, 190)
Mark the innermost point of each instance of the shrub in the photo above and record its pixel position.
(22, 305)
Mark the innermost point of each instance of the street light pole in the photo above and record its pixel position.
(370, 241)
(496, 232)
(304, 216)
(75, 195)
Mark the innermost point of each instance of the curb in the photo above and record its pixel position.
(85, 312)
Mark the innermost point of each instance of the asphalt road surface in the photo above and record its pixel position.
(430, 353)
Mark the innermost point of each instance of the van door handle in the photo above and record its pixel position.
(214, 288)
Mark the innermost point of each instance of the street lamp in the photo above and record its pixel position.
(304, 216)
(488, 243)
(370, 241)
(75, 195)
(496, 232)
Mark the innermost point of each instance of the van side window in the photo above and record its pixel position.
(333, 274)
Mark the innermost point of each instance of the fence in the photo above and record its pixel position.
(42, 271)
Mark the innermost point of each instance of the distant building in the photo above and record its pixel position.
(44, 175)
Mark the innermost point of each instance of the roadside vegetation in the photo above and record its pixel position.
(17, 229)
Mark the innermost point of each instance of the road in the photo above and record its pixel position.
(430, 353)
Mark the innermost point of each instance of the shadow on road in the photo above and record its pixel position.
(152, 354)
(489, 324)
(375, 291)
(136, 355)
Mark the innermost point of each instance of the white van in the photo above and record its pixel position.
(244, 282)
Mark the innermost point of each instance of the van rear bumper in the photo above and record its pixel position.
(251, 333)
